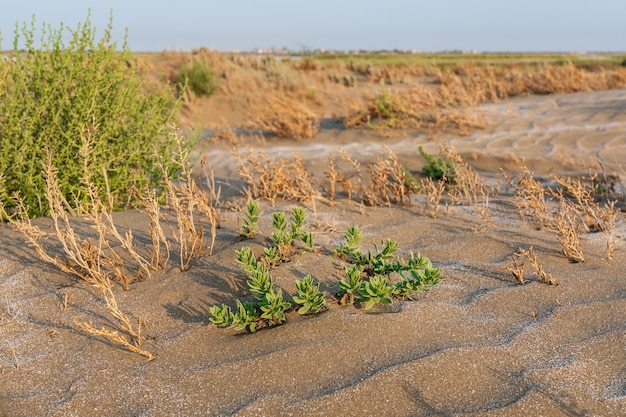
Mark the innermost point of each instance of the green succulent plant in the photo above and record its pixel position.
(250, 221)
(364, 277)
(349, 287)
(285, 234)
(309, 296)
(273, 307)
(246, 259)
(351, 248)
(376, 290)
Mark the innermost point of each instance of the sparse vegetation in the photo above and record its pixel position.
(87, 112)
(565, 210)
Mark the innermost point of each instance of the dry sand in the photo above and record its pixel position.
(477, 344)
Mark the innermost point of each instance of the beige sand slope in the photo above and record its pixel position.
(477, 344)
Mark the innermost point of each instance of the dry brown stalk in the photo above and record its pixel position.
(532, 257)
(333, 177)
(530, 198)
(160, 245)
(66, 300)
(517, 269)
(130, 336)
(483, 210)
(390, 181)
(434, 193)
(467, 187)
(566, 223)
(593, 216)
(185, 199)
(347, 185)
(387, 181)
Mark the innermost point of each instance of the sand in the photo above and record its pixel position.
(477, 344)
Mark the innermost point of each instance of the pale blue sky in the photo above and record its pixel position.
(433, 25)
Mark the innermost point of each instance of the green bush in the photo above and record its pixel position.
(200, 78)
(57, 98)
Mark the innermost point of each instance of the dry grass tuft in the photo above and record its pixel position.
(386, 182)
(286, 118)
(517, 266)
(532, 258)
(467, 186)
(566, 223)
(270, 179)
(434, 192)
(530, 198)
(575, 209)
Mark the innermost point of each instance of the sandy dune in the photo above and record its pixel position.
(477, 344)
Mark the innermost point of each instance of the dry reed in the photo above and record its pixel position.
(270, 179)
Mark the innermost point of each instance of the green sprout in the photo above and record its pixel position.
(250, 221)
(351, 248)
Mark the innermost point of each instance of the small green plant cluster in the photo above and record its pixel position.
(285, 234)
(250, 224)
(437, 168)
(55, 96)
(200, 78)
(368, 277)
(269, 307)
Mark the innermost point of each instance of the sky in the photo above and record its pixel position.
(433, 25)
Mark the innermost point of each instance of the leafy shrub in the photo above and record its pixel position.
(58, 99)
(200, 78)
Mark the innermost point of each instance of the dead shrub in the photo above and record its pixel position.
(434, 192)
(186, 198)
(467, 187)
(386, 182)
(128, 336)
(286, 118)
(517, 266)
(530, 198)
(270, 179)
